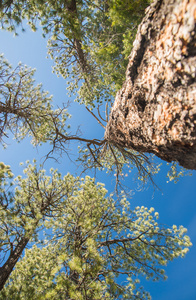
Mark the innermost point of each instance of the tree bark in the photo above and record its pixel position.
(155, 111)
(7, 268)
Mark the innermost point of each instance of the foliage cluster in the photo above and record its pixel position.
(90, 240)
(89, 40)
(25, 108)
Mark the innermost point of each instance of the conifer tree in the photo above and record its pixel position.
(91, 241)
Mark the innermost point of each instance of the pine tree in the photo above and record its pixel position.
(91, 240)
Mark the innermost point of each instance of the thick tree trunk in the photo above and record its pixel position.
(155, 111)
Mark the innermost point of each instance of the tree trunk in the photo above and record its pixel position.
(7, 268)
(155, 111)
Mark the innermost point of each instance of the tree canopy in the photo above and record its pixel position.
(25, 108)
(90, 239)
(84, 243)
(89, 40)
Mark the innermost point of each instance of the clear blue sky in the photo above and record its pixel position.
(176, 203)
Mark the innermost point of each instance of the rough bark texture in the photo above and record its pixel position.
(155, 111)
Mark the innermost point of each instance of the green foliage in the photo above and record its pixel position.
(175, 172)
(91, 241)
(106, 30)
(89, 40)
(25, 109)
(25, 202)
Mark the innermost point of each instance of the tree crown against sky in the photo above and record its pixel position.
(89, 40)
(25, 108)
(91, 239)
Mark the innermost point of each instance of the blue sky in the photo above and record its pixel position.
(175, 203)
